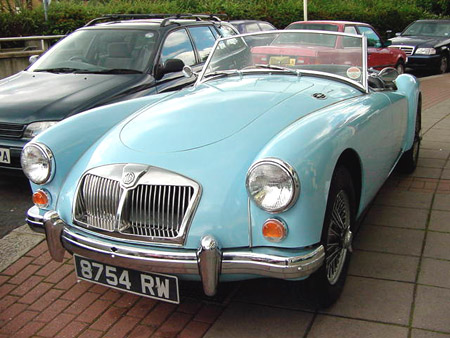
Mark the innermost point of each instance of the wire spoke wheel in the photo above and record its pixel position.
(338, 237)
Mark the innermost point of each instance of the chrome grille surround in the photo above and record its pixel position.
(136, 202)
(409, 50)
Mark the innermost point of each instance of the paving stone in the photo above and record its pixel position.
(435, 272)
(327, 326)
(431, 162)
(397, 217)
(446, 174)
(440, 221)
(248, 320)
(437, 245)
(375, 300)
(408, 199)
(435, 317)
(384, 266)
(416, 333)
(436, 153)
(422, 171)
(441, 202)
(389, 240)
(434, 145)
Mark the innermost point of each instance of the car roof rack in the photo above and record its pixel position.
(167, 18)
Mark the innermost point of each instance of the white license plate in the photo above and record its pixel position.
(152, 285)
(4, 156)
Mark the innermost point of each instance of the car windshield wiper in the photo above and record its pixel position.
(60, 70)
(275, 67)
(222, 73)
(115, 71)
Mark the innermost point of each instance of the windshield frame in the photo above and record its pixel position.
(363, 86)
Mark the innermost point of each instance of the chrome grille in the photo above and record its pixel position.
(98, 202)
(11, 130)
(156, 207)
(409, 50)
(157, 210)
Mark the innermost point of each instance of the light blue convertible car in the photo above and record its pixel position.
(262, 169)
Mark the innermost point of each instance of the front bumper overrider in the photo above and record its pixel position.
(208, 261)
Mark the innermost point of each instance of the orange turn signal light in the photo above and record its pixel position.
(274, 230)
(41, 199)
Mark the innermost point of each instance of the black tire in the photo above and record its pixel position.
(409, 159)
(327, 283)
(400, 66)
(443, 64)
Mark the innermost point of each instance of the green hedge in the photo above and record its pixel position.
(66, 16)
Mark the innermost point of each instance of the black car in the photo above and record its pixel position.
(112, 58)
(426, 43)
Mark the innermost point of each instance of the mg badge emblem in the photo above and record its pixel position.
(128, 178)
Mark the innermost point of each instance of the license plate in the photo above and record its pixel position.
(4, 156)
(152, 285)
(281, 61)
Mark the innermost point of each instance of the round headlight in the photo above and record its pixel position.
(273, 185)
(37, 162)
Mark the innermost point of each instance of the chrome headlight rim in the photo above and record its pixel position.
(289, 170)
(47, 155)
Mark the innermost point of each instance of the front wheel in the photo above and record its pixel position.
(400, 67)
(327, 282)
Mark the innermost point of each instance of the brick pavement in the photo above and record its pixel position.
(398, 284)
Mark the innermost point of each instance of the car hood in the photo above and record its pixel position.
(217, 110)
(420, 41)
(33, 96)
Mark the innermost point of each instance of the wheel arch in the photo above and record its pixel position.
(352, 162)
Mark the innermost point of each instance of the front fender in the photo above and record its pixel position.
(409, 86)
(78, 133)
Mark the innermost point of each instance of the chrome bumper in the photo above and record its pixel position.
(208, 261)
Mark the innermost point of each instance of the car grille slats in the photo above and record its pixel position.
(98, 202)
(409, 50)
(11, 130)
(158, 211)
(144, 211)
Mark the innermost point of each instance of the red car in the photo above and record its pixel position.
(380, 56)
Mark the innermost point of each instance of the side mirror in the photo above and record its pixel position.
(170, 66)
(33, 58)
(398, 34)
(173, 65)
(388, 75)
(387, 43)
(188, 72)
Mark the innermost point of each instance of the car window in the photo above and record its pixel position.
(373, 40)
(203, 39)
(428, 29)
(265, 26)
(350, 30)
(178, 46)
(315, 26)
(226, 31)
(252, 28)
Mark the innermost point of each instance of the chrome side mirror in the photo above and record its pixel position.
(188, 72)
(388, 74)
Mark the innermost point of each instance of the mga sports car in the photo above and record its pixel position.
(262, 169)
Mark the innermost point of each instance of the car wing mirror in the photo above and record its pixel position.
(388, 74)
(189, 72)
(173, 65)
(398, 34)
(33, 58)
(387, 43)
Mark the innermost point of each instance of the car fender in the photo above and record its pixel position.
(409, 86)
(79, 132)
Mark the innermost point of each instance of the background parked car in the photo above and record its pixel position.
(379, 55)
(427, 44)
(113, 58)
(252, 26)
